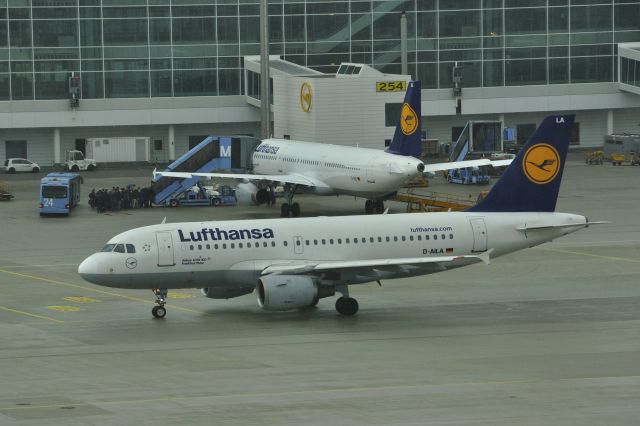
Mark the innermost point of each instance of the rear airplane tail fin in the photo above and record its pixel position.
(407, 139)
(532, 182)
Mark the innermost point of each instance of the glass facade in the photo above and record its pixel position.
(158, 48)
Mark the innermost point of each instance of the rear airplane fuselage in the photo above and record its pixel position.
(234, 253)
(362, 172)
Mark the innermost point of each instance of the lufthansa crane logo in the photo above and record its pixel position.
(305, 97)
(541, 163)
(131, 262)
(408, 119)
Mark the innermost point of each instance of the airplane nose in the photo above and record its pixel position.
(88, 267)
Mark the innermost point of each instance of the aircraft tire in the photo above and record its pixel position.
(379, 205)
(285, 210)
(159, 311)
(295, 210)
(347, 306)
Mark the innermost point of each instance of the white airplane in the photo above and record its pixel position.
(292, 264)
(325, 169)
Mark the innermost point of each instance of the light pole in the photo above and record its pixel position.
(265, 95)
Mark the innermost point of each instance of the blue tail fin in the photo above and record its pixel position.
(407, 139)
(532, 181)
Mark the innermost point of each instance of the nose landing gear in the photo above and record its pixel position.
(290, 208)
(159, 311)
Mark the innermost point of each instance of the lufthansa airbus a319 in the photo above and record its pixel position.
(291, 264)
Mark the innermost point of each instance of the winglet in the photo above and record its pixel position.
(486, 256)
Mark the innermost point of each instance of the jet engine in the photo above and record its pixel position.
(249, 193)
(225, 292)
(285, 292)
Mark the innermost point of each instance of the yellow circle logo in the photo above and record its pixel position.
(408, 119)
(541, 163)
(305, 97)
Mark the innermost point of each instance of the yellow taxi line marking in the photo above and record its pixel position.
(135, 299)
(15, 311)
(624, 259)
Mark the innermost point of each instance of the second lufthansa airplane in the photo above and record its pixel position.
(326, 169)
(291, 264)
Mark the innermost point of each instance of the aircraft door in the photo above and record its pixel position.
(479, 234)
(165, 249)
(298, 245)
(371, 170)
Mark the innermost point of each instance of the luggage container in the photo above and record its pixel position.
(118, 150)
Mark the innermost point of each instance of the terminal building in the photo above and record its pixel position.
(174, 71)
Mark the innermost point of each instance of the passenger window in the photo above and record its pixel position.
(339, 240)
(410, 237)
(191, 247)
(248, 245)
(264, 244)
(208, 247)
(224, 246)
(239, 245)
(355, 241)
(273, 243)
(435, 237)
(215, 246)
(371, 240)
(108, 248)
(232, 245)
(297, 242)
(379, 239)
(388, 239)
(131, 248)
(426, 237)
(395, 238)
(346, 241)
(331, 241)
(306, 243)
(404, 238)
(323, 240)
(315, 242)
(119, 248)
(199, 246)
(419, 237)
(444, 237)
(450, 235)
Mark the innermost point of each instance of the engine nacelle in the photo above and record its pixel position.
(249, 193)
(225, 292)
(285, 292)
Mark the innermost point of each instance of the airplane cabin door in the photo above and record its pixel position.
(371, 170)
(298, 245)
(165, 249)
(479, 234)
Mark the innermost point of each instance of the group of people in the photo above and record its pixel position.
(116, 198)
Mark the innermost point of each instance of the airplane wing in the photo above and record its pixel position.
(296, 179)
(302, 267)
(438, 167)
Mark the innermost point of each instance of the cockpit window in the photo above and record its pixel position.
(131, 248)
(108, 248)
(119, 248)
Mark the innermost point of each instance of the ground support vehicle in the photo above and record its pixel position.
(5, 195)
(223, 196)
(59, 193)
(594, 157)
(469, 176)
(75, 162)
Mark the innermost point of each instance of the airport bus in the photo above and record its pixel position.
(59, 193)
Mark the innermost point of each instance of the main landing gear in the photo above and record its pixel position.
(346, 305)
(374, 206)
(159, 311)
(289, 208)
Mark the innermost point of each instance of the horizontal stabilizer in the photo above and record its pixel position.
(534, 227)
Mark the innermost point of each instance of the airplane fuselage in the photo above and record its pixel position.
(234, 253)
(361, 172)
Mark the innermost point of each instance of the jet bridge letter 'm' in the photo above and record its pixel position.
(165, 249)
(479, 234)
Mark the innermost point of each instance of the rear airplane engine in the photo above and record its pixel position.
(225, 292)
(248, 193)
(285, 292)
